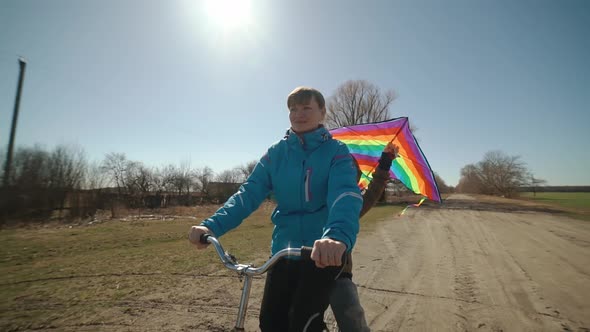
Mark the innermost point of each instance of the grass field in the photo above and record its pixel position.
(577, 203)
(54, 277)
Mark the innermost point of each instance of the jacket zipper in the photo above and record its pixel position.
(307, 192)
(304, 181)
(302, 205)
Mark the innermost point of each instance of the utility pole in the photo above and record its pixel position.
(21, 77)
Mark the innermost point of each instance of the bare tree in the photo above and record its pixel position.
(138, 178)
(188, 176)
(95, 177)
(229, 176)
(204, 176)
(356, 102)
(29, 168)
(470, 181)
(158, 180)
(167, 177)
(172, 179)
(502, 173)
(114, 165)
(442, 185)
(67, 167)
(63, 168)
(43, 180)
(246, 169)
(496, 174)
(140, 181)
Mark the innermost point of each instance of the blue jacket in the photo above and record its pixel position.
(313, 178)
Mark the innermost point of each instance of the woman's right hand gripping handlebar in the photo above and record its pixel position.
(194, 236)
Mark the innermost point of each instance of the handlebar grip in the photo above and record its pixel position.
(204, 237)
(306, 253)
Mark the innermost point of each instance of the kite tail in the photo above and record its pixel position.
(415, 205)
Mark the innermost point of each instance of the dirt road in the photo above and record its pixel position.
(472, 266)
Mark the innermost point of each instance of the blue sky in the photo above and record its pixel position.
(166, 82)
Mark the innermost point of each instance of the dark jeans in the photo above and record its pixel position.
(296, 294)
(346, 306)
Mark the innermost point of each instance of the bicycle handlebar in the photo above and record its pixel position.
(248, 271)
(230, 262)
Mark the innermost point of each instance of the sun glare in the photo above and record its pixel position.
(229, 14)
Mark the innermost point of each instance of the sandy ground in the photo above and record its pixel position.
(464, 266)
(472, 266)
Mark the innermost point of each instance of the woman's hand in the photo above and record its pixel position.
(327, 252)
(391, 149)
(194, 236)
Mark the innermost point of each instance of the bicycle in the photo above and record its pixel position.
(247, 271)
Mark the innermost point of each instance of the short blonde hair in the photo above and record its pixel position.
(303, 95)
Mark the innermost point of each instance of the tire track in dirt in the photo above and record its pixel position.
(76, 327)
(464, 287)
(156, 305)
(390, 309)
(405, 244)
(133, 314)
(399, 306)
(460, 269)
(123, 275)
(540, 283)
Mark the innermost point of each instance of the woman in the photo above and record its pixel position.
(312, 177)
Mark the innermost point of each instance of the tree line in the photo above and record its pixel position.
(66, 167)
(41, 177)
(42, 181)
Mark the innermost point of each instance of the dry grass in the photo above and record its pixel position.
(58, 277)
(48, 273)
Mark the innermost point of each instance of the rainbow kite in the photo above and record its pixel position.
(366, 143)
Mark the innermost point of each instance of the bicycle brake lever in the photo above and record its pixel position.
(231, 258)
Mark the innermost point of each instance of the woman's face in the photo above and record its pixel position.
(306, 117)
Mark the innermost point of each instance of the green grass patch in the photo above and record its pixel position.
(576, 203)
(570, 200)
(370, 221)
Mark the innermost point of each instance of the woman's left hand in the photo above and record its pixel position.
(391, 149)
(327, 252)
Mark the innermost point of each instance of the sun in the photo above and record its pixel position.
(229, 14)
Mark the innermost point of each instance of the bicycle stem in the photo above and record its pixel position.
(244, 302)
(248, 272)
